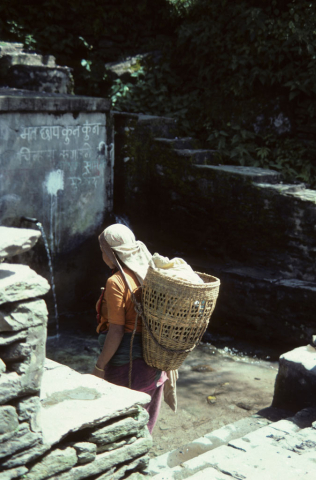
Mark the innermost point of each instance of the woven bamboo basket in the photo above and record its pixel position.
(176, 314)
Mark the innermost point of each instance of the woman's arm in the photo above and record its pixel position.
(111, 344)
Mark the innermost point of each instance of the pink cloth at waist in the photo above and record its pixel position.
(144, 377)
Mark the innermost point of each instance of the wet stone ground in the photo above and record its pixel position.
(217, 384)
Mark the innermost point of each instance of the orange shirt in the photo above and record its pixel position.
(117, 305)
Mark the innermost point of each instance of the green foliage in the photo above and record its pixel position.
(290, 156)
(235, 68)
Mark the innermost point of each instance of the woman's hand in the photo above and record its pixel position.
(98, 373)
(111, 344)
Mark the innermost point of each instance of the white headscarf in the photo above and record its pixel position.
(133, 253)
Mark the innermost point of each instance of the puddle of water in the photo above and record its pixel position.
(237, 355)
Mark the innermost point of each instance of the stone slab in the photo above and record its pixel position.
(127, 426)
(210, 441)
(33, 366)
(26, 456)
(54, 462)
(29, 409)
(266, 293)
(71, 402)
(267, 435)
(23, 439)
(286, 426)
(40, 78)
(2, 367)
(23, 315)
(10, 386)
(196, 157)
(7, 339)
(304, 418)
(105, 461)
(19, 282)
(304, 442)
(295, 386)
(16, 352)
(266, 462)
(115, 473)
(281, 433)
(176, 457)
(14, 241)
(10, 47)
(115, 445)
(86, 452)
(24, 100)
(178, 143)
(27, 59)
(8, 419)
(13, 473)
(285, 188)
(189, 468)
(210, 474)
(257, 175)
(305, 356)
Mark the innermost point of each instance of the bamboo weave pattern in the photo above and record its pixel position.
(177, 314)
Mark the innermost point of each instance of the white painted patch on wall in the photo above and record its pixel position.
(54, 182)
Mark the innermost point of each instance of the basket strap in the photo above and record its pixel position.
(135, 325)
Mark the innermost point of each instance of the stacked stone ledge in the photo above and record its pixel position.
(56, 423)
(31, 71)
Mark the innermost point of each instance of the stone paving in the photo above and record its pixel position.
(271, 451)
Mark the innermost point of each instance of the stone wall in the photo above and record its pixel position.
(241, 224)
(23, 319)
(56, 423)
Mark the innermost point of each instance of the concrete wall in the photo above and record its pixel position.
(56, 158)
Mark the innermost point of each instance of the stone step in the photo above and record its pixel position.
(206, 443)
(31, 59)
(178, 143)
(253, 174)
(30, 71)
(198, 157)
(285, 188)
(165, 127)
(40, 78)
(283, 449)
(6, 47)
(251, 296)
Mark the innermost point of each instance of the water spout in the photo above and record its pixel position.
(29, 219)
(50, 265)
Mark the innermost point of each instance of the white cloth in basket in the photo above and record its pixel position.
(176, 268)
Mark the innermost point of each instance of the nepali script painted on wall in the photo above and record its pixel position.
(57, 169)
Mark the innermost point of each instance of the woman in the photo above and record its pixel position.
(117, 319)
